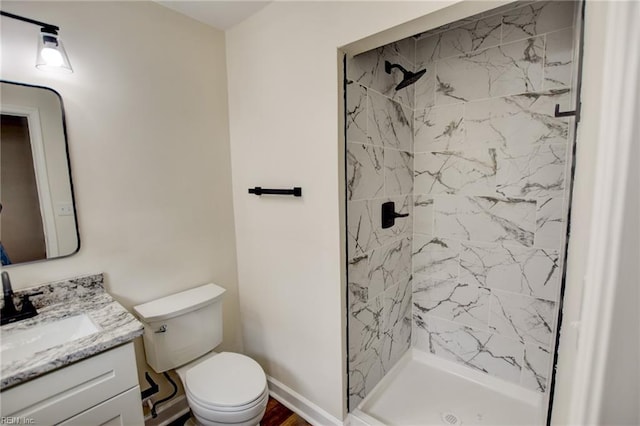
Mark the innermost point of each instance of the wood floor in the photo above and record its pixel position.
(276, 415)
(279, 415)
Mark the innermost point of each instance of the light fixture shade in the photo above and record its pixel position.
(51, 55)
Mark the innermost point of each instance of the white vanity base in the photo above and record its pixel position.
(102, 389)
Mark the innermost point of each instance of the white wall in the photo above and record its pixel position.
(147, 123)
(284, 91)
(619, 405)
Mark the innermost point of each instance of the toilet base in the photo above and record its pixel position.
(195, 421)
(192, 422)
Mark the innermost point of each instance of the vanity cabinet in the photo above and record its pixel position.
(100, 390)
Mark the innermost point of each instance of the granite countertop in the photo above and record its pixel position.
(63, 299)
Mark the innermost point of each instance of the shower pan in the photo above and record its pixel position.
(453, 309)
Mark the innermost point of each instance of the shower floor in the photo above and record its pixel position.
(423, 389)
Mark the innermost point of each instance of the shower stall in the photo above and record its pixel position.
(454, 290)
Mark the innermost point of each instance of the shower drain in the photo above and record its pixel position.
(450, 419)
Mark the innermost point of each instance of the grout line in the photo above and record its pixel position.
(385, 147)
(489, 331)
(537, 35)
(384, 95)
(485, 99)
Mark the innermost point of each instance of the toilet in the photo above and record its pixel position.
(180, 332)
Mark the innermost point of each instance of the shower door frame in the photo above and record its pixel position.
(577, 83)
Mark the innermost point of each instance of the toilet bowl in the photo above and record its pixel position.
(225, 389)
(180, 332)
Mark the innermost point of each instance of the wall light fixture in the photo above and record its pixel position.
(51, 55)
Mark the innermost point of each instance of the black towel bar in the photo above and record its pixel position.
(296, 191)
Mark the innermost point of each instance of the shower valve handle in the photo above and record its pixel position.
(389, 214)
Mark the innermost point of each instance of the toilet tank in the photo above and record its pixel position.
(181, 327)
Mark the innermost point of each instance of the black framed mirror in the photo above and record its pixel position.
(37, 206)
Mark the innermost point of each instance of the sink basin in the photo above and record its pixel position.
(23, 343)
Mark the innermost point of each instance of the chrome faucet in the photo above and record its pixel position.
(9, 312)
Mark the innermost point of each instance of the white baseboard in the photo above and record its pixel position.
(359, 418)
(301, 405)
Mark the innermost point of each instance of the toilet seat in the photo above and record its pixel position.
(226, 382)
(225, 389)
(241, 408)
(229, 416)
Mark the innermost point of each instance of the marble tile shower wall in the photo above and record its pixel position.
(490, 185)
(379, 169)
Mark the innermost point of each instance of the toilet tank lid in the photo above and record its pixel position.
(179, 303)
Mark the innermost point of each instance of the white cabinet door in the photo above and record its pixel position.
(124, 409)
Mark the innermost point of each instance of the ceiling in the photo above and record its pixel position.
(219, 14)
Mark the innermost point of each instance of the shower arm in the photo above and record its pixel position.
(388, 66)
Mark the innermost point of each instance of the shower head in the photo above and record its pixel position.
(408, 77)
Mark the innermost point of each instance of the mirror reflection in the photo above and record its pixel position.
(37, 211)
